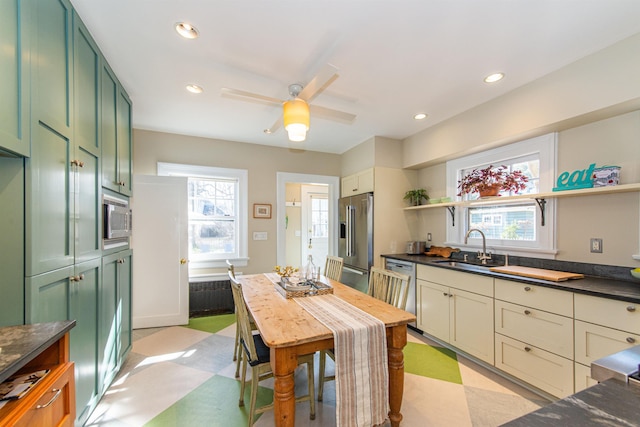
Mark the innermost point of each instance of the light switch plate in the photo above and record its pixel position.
(259, 235)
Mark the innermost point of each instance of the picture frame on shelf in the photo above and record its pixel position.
(262, 210)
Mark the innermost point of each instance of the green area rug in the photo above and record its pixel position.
(212, 324)
(433, 362)
(213, 404)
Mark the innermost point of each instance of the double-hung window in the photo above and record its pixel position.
(217, 206)
(514, 226)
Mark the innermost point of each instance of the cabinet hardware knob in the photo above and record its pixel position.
(74, 163)
(121, 261)
(631, 308)
(527, 288)
(57, 392)
(527, 349)
(527, 312)
(72, 278)
(445, 294)
(80, 164)
(631, 340)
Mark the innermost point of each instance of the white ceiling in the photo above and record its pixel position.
(395, 58)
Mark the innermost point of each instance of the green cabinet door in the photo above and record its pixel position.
(124, 138)
(83, 307)
(14, 84)
(109, 101)
(47, 296)
(125, 275)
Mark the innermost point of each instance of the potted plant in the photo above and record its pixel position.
(492, 180)
(416, 196)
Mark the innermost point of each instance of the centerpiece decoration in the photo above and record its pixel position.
(284, 271)
(415, 197)
(491, 180)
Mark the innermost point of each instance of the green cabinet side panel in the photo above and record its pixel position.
(108, 324)
(49, 203)
(83, 307)
(51, 66)
(14, 84)
(12, 249)
(109, 97)
(125, 278)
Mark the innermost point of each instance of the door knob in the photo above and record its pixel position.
(183, 261)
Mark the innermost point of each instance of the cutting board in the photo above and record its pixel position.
(537, 273)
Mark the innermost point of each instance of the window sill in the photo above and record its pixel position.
(198, 265)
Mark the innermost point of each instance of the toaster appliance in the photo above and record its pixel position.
(416, 248)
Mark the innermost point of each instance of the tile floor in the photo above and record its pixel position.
(184, 376)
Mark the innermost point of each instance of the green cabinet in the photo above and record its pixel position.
(14, 84)
(116, 134)
(72, 293)
(114, 315)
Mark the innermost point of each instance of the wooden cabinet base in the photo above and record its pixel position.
(50, 403)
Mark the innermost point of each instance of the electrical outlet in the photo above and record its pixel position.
(596, 246)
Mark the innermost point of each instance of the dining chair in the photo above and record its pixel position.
(389, 286)
(257, 355)
(333, 268)
(236, 348)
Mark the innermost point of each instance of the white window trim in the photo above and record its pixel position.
(242, 175)
(546, 147)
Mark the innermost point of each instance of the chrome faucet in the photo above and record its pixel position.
(482, 256)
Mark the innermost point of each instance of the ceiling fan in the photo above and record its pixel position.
(296, 110)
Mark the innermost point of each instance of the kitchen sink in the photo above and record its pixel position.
(463, 265)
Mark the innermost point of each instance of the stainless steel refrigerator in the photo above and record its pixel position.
(355, 240)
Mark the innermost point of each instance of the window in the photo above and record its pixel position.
(510, 227)
(217, 206)
(319, 217)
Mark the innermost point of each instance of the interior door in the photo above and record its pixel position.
(315, 224)
(160, 243)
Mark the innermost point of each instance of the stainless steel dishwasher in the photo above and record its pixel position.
(408, 268)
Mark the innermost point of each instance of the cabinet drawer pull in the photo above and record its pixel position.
(631, 340)
(527, 312)
(53, 399)
(631, 308)
(527, 349)
(445, 294)
(527, 288)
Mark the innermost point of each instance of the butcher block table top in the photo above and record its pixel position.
(537, 273)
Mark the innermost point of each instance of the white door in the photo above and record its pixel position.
(160, 243)
(315, 224)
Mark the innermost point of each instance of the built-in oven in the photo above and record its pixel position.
(116, 219)
(408, 268)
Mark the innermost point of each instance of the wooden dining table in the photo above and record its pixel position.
(289, 331)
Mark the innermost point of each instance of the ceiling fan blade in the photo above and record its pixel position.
(249, 96)
(330, 114)
(275, 127)
(324, 78)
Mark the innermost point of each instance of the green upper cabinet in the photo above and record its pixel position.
(116, 134)
(14, 84)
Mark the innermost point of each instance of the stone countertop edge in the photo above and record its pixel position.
(611, 402)
(22, 343)
(621, 290)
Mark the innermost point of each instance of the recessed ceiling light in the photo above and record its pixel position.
(187, 31)
(194, 88)
(492, 78)
(420, 116)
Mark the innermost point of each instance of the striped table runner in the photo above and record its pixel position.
(362, 377)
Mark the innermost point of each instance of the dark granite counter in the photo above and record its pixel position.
(607, 287)
(610, 403)
(20, 344)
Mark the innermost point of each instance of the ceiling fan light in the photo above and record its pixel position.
(296, 119)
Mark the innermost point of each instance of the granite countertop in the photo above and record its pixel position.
(613, 288)
(609, 403)
(20, 344)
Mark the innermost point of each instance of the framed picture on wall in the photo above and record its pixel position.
(261, 210)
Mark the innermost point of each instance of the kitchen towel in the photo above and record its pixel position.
(361, 370)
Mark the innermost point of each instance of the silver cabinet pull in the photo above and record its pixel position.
(57, 392)
(527, 312)
(631, 308)
(631, 340)
(527, 349)
(527, 288)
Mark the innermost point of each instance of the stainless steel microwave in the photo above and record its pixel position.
(117, 218)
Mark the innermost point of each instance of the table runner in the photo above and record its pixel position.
(360, 349)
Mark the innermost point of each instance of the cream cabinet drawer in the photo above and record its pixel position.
(545, 330)
(583, 377)
(542, 369)
(547, 299)
(595, 341)
(469, 282)
(607, 312)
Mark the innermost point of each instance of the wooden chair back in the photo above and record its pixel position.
(231, 268)
(242, 315)
(389, 286)
(333, 268)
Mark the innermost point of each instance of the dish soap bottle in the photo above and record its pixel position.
(310, 270)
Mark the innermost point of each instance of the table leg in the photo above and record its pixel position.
(396, 340)
(283, 364)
